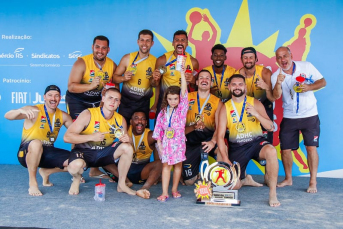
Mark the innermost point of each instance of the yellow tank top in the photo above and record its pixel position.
(209, 111)
(142, 151)
(252, 89)
(41, 130)
(173, 77)
(98, 123)
(223, 93)
(139, 86)
(92, 71)
(252, 125)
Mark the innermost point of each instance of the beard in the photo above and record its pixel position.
(252, 65)
(239, 94)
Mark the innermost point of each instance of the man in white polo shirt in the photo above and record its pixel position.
(296, 81)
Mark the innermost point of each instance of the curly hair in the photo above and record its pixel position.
(172, 90)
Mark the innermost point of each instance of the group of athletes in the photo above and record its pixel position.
(224, 103)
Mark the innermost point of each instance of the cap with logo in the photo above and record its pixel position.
(52, 88)
(248, 50)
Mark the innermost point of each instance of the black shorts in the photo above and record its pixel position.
(134, 174)
(95, 157)
(51, 158)
(269, 109)
(191, 166)
(246, 152)
(126, 109)
(289, 132)
(76, 106)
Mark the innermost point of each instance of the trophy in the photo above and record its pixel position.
(218, 180)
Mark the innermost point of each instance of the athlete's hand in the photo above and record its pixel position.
(98, 136)
(128, 76)
(260, 83)
(189, 77)
(280, 77)
(95, 82)
(251, 110)
(207, 146)
(124, 138)
(305, 88)
(156, 75)
(30, 113)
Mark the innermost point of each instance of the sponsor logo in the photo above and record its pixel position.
(40, 98)
(234, 120)
(191, 102)
(16, 54)
(233, 113)
(16, 37)
(172, 66)
(172, 74)
(44, 56)
(74, 55)
(92, 73)
(187, 166)
(315, 138)
(45, 65)
(42, 119)
(96, 125)
(19, 97)
(41, 126)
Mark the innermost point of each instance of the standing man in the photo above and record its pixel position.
(243, 116)
(221, 73)
(201, 123)
(257, 79)
(296, 81)
(86, 80)
(172, 77)
(42, 124)
(94, 133)
(135, 72)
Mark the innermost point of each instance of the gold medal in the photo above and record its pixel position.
(162, 69)
(170, 132)
(118, 133)
(133, 69)
(100, 74)
(297, 88)
(199, 117)
(240, 127)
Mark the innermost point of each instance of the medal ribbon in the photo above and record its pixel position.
(103, 115)
(169, 118)
(169, 63)
(48, 118)
(203, 106)
(243, 107)
(134, 141)
(221, 78)
(133, 62)
(99, 66)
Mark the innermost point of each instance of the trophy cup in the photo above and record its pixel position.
(218, 180)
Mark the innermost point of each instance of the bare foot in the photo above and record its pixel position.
(34, 191)
(248, 181)
(273, 202)
(45, 176)
(143, 193)
(74, 187)
(284, 183)
(128, 183)
(126, 189)
(312, 188)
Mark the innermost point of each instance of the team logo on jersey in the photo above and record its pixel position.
(233, 113)
(172, 66)
(226, 82)
(315, 138)
(58, 123)
(106, 77)
(92, 73)
(96, 125)
(148, 72)
(208, 107)
(142, 147)
(248, 114)
(43, 119)
(41, 126)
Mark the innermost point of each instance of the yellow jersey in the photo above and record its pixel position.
(142, 150)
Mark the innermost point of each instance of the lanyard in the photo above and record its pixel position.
(134, 141)
(103, 115)
(99, 66)
(133, 62)
(169, 63)
(48, 118)
(203, 106)
(169, 118)
(243, 107)
(290, 90)
(221, 78)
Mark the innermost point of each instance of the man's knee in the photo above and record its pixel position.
(126, 148)
(35, 147)
(76, 166)
(270, 153)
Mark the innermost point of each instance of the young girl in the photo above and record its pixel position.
(170, 135)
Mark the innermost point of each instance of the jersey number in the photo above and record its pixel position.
(139, 82)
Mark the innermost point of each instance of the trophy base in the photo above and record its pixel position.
(220, 203)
